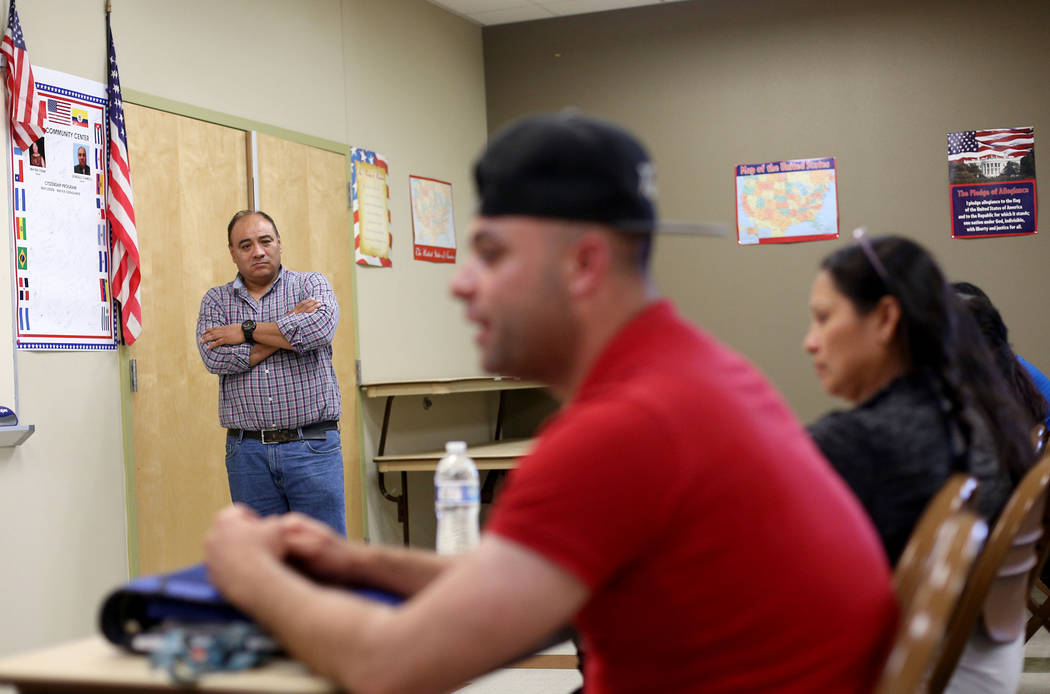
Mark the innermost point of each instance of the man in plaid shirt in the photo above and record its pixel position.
(268, 335)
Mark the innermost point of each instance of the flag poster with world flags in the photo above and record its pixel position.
(991, 179)
(61, 245)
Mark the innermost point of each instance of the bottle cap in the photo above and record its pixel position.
(456, 447)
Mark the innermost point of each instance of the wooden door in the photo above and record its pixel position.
(304, 189)
(189, 178)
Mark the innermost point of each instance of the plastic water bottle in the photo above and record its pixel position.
(456, 500)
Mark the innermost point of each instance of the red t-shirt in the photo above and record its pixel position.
(721, 551)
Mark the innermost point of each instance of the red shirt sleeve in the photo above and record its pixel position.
(587, 498)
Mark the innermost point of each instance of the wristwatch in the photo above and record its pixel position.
(248, 328)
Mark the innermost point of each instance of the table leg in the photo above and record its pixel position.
(402, 507)
(400, 499)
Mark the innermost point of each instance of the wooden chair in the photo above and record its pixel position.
(956, 494)
(1039, 592)
(935, 587)
(995, 594)
(1039, 436)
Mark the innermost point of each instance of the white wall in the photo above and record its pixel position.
(63, 533)
(424, 110)
(62, 512)
(406, 108)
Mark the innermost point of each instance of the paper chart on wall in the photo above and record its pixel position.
(371, 203)
(433, 223)
(787, 201)
(59, 229)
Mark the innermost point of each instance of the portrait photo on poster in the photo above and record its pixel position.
(80, 160)
(37, 156)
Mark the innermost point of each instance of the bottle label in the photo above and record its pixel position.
(456, 493)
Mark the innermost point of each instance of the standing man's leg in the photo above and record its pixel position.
(250, 470)
(313, 479)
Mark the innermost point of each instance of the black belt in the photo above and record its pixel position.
(310, 432)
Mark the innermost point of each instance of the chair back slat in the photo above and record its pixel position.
(1004, 614)
(996, 592)
(1038, 593)
(1040, 434)
(956, 493)
(936, 590)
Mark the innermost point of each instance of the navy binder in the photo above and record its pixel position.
(185, 597)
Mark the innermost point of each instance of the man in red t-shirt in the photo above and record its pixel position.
(674, 511)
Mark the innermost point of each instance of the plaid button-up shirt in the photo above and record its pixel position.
(290, 388)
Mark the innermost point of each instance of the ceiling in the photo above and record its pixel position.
(488, 12)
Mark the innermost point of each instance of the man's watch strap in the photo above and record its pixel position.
(248, 328)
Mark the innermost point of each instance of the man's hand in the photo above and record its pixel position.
(222, 335)
(307, 305)
(319, 551)
(237, 544)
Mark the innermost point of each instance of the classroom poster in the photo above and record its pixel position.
(60, 239)
(371, 203)
(433, 224)
(786, 201)
(991, 179)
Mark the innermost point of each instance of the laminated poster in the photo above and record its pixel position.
(60, 239)
(991, 179)
(786, 201)
(371, 202)
(433, 224)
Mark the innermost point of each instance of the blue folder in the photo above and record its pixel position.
(184, 597)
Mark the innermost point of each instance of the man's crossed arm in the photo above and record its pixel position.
(267, 336)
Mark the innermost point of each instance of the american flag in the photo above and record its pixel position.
(27, 109)
(58, 111)
(120, 210)
(998, 143)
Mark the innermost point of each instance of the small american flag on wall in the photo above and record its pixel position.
(27, 109)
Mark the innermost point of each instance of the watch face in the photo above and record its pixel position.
(248, 325)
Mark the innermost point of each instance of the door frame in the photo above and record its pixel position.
(127, 423)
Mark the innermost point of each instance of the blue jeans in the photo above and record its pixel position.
(304, 476)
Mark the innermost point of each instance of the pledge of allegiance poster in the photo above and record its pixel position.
(371, 203)
(60, 237)
(991, 176)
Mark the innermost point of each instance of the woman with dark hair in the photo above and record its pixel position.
(888, 334)
(1018, 373)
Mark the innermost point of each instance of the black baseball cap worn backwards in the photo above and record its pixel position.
(573, 167)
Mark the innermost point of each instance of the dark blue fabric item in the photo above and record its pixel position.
(184, 596)
(1040, 380)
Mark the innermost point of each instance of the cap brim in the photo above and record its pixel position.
(677, 228)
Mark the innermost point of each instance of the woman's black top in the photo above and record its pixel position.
(896, 452)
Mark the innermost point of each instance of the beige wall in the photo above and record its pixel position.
(712, 84)
(385, 75)
(425, 110)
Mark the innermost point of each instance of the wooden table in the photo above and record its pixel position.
(498, 455)
(95, 665)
